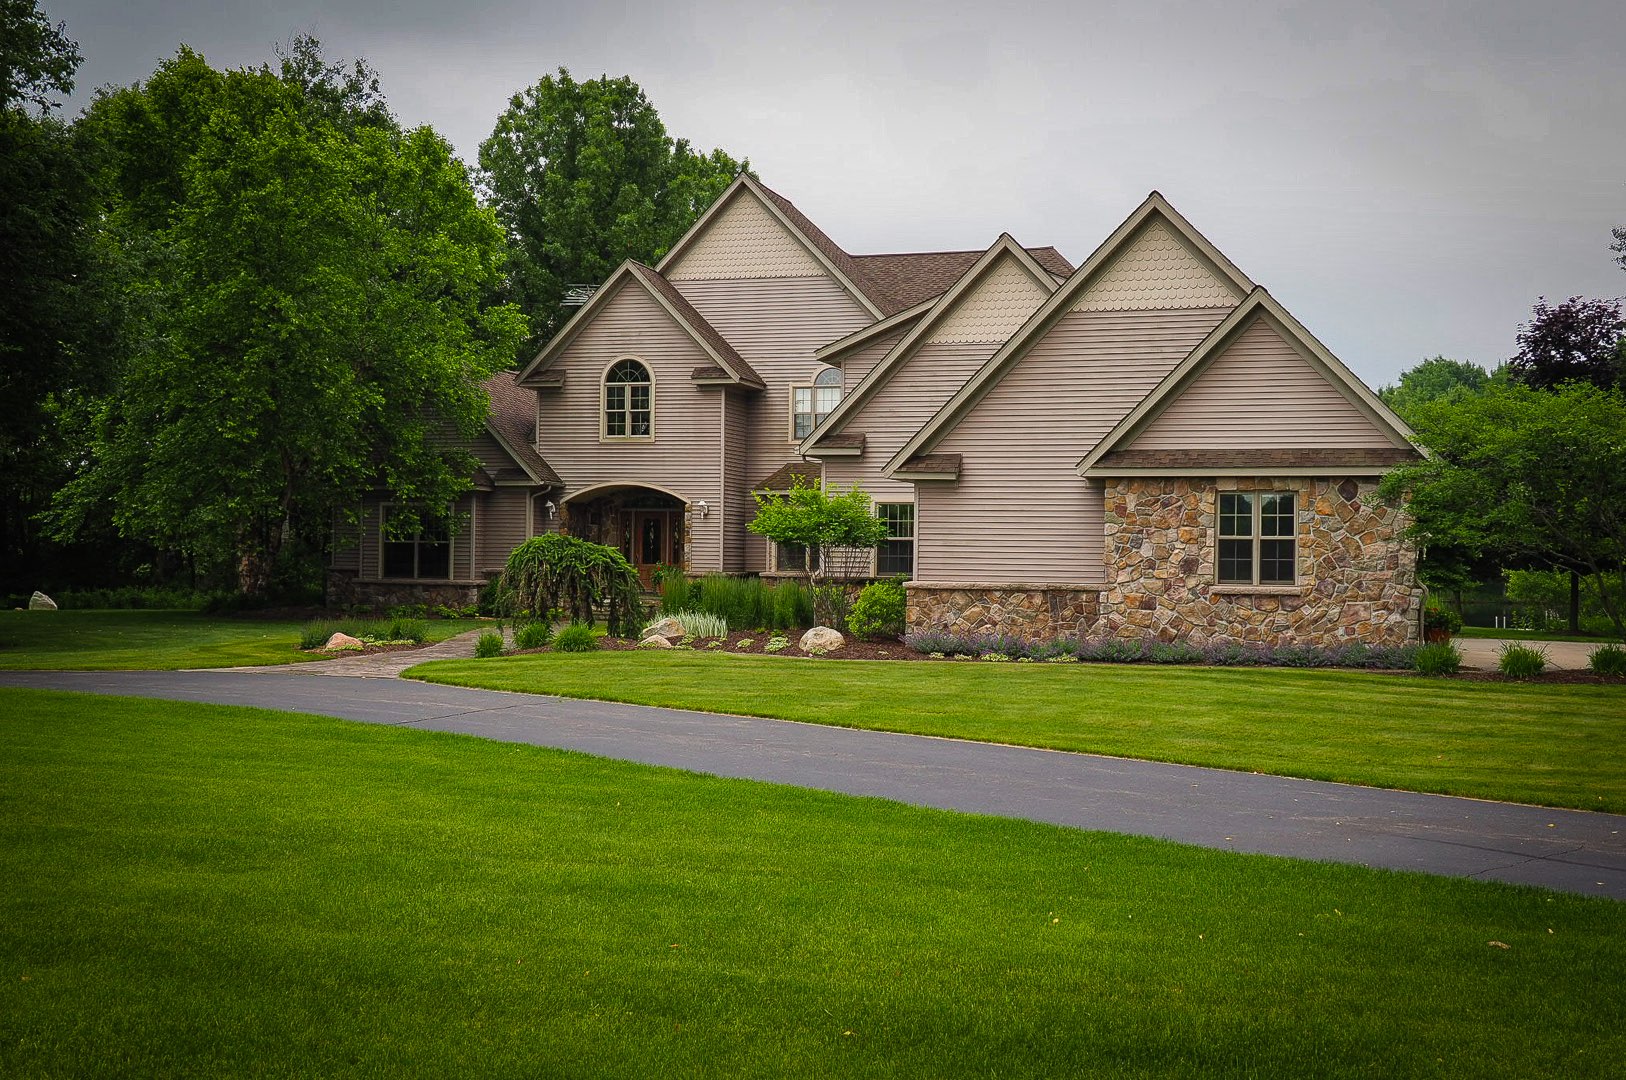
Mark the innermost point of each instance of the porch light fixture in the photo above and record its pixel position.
(702, 507)
(552, 508)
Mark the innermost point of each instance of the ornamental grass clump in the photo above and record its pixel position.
(1521, 661)
(407, 629)
(1607, 660)
(566, 573)
(489, 644)
(700, 624)
(577, 637)
(533, 635)
(1438, 658)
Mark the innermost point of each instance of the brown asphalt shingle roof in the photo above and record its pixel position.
(513, 413)
(894, 282)
(781, 478)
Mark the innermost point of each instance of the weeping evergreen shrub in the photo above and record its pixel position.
(554, 572)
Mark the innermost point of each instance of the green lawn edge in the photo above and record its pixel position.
(1543, 744)
(161, 640)
(218, 890)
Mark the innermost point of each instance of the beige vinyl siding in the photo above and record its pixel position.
(776, 325)
(744, 240)
(856, 365)
(737, 502)
(1020, 512)
(502, 525)
(994, 309)
(900, 407)
(683, 457)
(1259, 393)
(1157, 270)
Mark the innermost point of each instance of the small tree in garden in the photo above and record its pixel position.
(834, 532)
(554, 572)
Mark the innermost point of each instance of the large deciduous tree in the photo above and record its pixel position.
(1526, 477)
(583, 176)
(310, 311)
(1430, 380)
(1578, 340)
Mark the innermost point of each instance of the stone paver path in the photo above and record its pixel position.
(383, 665)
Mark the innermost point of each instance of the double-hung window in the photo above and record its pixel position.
(629, 401)
(792, 558)
(1256, 538)
(896, 554)
(424, 551)
(809, 405)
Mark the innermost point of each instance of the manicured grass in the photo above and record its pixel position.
(124, 640)
(1557, 745)
(1531, 635)
(210, 891)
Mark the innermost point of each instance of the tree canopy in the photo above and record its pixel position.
(1526, 477)
(309, 311)
(1430, 380)
(1580, 339)
(37, 59)
(583, 176)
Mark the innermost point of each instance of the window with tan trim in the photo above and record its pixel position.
(896, 554)
(629, 401)
(1257, 538)
(810, 404)
(421, 549)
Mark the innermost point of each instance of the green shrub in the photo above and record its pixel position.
(133, 597)
(879, 610)
(1437, 619)
(701, 624)
(409, 611)
(533, 635)
(566, 572)
(1607, 660)
(1521, 661)
(1438, 658)
(577, 637)
(489, 645)
(401, 628)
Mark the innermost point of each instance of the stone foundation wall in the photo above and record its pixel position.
(1036, 611)
(345, 591)
(1357, 573)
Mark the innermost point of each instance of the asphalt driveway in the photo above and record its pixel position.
(1569, 850)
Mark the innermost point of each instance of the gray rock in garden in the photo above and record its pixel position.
(655, 641)
(821, 639)
(40, 602)
(342, 641)
(666, 628)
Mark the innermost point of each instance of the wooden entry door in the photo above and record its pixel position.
(651, 542)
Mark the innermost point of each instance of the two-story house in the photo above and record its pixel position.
(1147, 444)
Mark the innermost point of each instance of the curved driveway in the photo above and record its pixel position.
(1569, 850)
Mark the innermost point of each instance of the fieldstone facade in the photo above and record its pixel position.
(1032, 611)
(1356, 570)
(345, 590)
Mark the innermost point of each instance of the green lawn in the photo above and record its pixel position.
(1531, 635)
(126, 640)
(201, 890)
(1557, 745)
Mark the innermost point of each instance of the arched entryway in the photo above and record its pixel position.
(646, 524)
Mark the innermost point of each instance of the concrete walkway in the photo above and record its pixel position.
(382, 665)
(1569, 850)
(1482, 654)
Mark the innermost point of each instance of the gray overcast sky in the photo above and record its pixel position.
(1406, 178)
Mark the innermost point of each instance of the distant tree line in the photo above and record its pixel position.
(235, 300)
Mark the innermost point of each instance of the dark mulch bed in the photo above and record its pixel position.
(853, 650)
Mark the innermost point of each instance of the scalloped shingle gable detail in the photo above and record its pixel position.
(998, 306)
(744, 241)
(1156, 271)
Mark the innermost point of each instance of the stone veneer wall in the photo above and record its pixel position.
(1357, 572)
(1032, 611)
(344, 590)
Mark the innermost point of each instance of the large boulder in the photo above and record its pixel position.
(655, 641)
(821, 639)
(666, 628)
(40, 602)
(342, 641)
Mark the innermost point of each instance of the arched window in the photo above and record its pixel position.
(629, 406)
(809, 405)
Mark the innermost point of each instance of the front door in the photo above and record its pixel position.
(651, 542)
